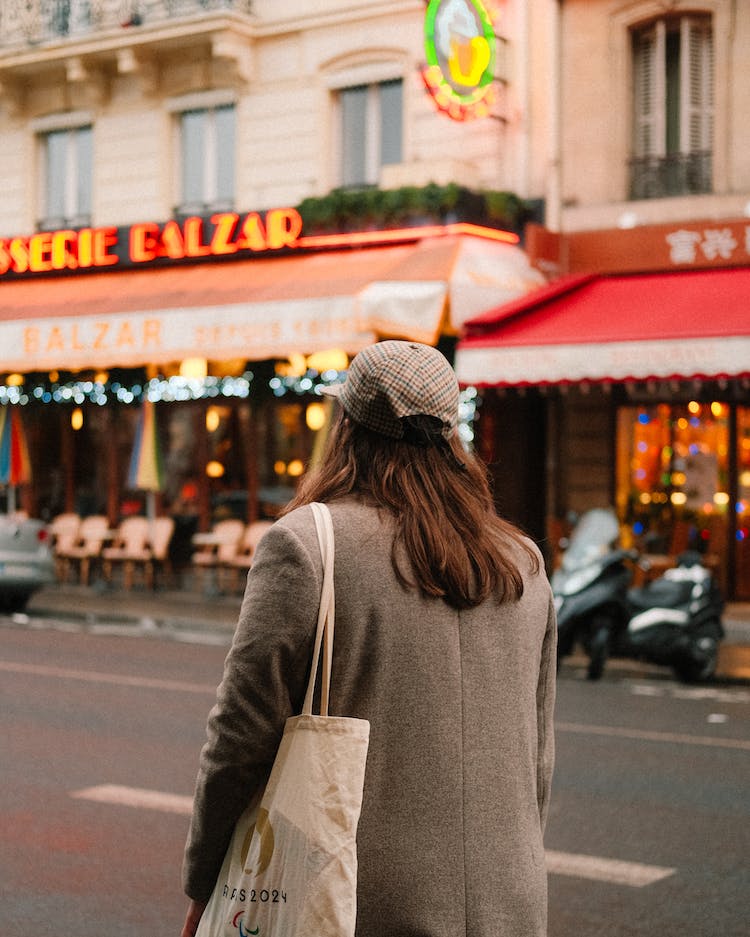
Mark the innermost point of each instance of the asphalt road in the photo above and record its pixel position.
(649, 832)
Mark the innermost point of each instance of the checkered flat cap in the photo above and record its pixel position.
(392, 380)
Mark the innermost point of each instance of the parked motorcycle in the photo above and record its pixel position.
(673, 621)
(590, 588)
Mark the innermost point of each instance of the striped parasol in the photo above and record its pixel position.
(15, 464)
(146, 471)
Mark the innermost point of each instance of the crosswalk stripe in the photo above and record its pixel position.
(136, 797)
(614, 871)
(647, 735)
(94, 676)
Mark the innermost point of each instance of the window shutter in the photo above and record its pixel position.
(353, 102)
(371, 130)
(57, 172)
(84, 173)
(648, 88)
(391, 119)
(697, 84)
(225, 142)
(80, 15)
(193, 135)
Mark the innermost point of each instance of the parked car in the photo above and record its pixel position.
(26, 560)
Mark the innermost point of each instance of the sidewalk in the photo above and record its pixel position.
(190, 610)
(181, 609)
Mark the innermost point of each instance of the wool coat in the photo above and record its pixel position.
(460, 704)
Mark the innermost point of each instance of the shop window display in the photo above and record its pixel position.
(742, 507)
(222, 447)
(673, 479)
(291, 449)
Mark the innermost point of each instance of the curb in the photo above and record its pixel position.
(177, 629)
(189, 615)
(733, 667)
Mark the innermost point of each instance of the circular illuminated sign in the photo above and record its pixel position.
(460, 50)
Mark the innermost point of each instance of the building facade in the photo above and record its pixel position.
(637, 355)
(154, 153)
(156, 107)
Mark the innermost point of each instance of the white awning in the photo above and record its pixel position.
(258, 308)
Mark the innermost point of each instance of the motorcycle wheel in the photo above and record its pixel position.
(598, 651)
(702, 664)
(565, 642)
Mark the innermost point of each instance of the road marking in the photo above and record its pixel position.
(614, 871)
(696, 694)
(93, 676)
(617, 872)
(733, 695)
(136, 797)
(647, 736)
(217, 636)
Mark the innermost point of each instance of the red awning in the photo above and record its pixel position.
(691, 324)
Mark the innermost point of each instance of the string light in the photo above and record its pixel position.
(162, 389)
(315, 416)
(179, 389)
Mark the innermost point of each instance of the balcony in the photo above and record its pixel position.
(65, 54)
(676, 174)
(26, 23)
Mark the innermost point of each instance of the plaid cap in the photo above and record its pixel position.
(391, 380)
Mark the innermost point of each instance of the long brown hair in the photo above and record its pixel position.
(446, 523)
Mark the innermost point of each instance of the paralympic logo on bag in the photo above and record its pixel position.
(237, 922)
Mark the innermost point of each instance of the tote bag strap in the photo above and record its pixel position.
(324, 633)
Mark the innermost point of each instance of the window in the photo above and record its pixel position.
(371, 130)
(67, 169)
(673, 107)
(69, 16)
(207, 159)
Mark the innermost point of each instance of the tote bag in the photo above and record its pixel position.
(291, 867)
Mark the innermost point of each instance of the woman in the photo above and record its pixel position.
(445, 642)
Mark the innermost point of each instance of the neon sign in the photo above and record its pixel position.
(148, 244)
(460, 50)
(144, 243)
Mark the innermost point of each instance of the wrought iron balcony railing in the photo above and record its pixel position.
(30, 22)
(676, 174)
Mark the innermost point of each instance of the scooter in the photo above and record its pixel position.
(675, 621)
(590, 589)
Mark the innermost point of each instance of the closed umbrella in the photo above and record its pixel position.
(146, 472)
(15, 465)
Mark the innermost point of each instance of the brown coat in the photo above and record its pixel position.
(461, 748)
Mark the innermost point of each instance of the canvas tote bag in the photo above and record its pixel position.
(291, 867)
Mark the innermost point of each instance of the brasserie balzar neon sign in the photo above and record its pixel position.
(225, 233)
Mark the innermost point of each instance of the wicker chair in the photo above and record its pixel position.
(213, 556)
(243, 558)
(64, 530)
(87, 547)
(160, 537)
(130, 549)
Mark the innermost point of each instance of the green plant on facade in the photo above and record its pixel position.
(370, 208)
